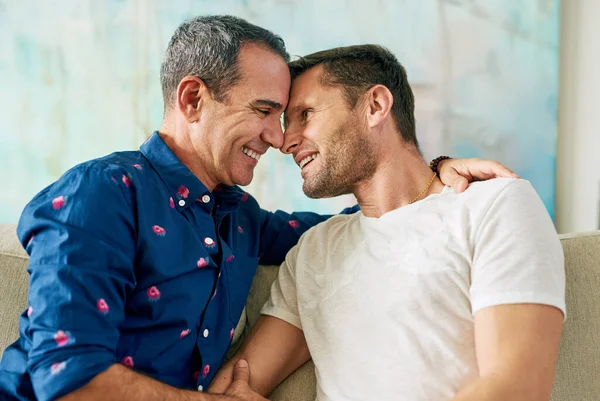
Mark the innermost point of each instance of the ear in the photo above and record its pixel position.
(191, 93)
(380, 101)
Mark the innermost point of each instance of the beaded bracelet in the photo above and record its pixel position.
(433, 165)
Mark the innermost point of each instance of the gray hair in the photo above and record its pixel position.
(207, 47)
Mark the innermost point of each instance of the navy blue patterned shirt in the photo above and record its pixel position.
(134, 261)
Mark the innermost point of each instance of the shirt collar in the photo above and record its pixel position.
(184, 186)
(229, 197)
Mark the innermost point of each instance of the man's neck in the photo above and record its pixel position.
(402, 175)
(181, 145)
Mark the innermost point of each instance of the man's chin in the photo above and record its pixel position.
(314, 192)
(243, 179)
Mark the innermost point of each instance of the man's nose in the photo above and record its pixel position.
(291, 139)
(273, 135)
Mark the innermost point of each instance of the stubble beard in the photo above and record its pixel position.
(350, 160)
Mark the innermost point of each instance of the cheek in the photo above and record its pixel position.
(322, 127)
(247, 130)
(321, 136)
(311, 134)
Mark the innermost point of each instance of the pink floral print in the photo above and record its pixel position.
(183, 191)
(245, 197)
(293, 223)
(240, 230)
(231, 333)
(230, 258)
(127, 361)
(139, 167)
(102, 306)
(158, 230)
(205, 370)
(126, 180)
(29, 311)
(184, 333)
(57, 367)
(61, 338)
(209, 242)
(153, 294)
(58, 202)
(201, 263)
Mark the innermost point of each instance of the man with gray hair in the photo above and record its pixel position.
(141, 261)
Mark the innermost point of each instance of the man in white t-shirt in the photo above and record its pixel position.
(426, 294)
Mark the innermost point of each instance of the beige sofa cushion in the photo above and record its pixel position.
(578, 370)
(13, 284)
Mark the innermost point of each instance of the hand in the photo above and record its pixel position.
(239, 389)
(460, 172)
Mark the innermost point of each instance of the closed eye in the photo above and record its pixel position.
(305, 114)
(266, 107)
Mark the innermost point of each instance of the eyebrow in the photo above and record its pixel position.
(271, 103)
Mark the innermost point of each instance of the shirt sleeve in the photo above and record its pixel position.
(280, 231)
(283, 301)
(79, 234)
(517, 255)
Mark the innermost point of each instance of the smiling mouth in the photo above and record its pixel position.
(307, 160)
(250, 153)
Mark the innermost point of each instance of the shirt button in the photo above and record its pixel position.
(200, 388)
(181, 202)
(206, 199)
(208, 241)
(205, 333)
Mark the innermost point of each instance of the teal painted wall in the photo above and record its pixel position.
(79, 79)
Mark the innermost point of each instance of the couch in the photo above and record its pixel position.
(578, 373)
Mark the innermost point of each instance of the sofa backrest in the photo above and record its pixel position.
(578, 370)
(578, 373)
(13, 284)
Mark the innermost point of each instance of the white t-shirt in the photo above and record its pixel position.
(387, 304)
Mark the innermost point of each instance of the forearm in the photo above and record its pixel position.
(121, 383)
(274, 349)
(498, 388)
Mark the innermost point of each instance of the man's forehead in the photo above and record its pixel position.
(305, 88)
(300, 96)
(264, 74)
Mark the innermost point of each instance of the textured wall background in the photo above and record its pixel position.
(79, 79)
